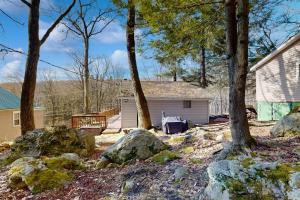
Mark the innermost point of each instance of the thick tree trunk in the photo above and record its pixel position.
(28, 87)
(237, 49)
(86, 85)
(203, 81)
(144, 119)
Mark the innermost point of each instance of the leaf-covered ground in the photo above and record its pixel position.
(152, 180)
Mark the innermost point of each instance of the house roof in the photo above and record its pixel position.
(169, 90)
(8, 100)
(280, 49)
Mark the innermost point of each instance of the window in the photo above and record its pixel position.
(187, 104)
(16, 118)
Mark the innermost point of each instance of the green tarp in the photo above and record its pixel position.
(268, 111)
(264, 111)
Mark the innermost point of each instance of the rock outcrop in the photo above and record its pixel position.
(39, 175)
(247, 178)
(139, 144)
(54, 142)
(289, 125)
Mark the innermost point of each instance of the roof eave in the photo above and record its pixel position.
(170, 98)
(276, 52)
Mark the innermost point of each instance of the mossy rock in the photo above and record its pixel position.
(165, 156)
(289, 125)
(247, 162)
(250, 178)
(139, 144)
(47, 179)
(187, 150)
(102, 163)
(176, 139)
(281, 172)
(65, 161)
(42, 174)
(196, 161)
(51, 142)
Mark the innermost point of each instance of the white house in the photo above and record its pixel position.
(174, 98)
(278, 81)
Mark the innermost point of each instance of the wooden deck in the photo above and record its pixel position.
(95, 122)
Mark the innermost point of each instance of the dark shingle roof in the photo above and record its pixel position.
(8, 100)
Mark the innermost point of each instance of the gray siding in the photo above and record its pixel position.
(197, 114)
(277, 80)
(128, 114)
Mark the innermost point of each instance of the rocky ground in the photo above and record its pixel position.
(182, 178)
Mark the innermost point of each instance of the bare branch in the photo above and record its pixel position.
(57, 22)
(76, 31)
(97, 32)
(26, 3)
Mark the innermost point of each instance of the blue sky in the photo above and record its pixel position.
(111, 43)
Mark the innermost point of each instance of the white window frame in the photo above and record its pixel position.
(16, 112)
(190, 104)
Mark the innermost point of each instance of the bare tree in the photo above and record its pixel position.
(144, 120)
(237, 23)
(28, 88)
(85, 24)
(99, 70)
(49, 90)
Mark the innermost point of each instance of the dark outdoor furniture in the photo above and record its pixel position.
(171, 125)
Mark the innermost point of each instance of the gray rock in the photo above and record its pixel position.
(180, 173)
(294, 194)
(71, 156)
(127, 186)
(295, 180)
(287, 126)
(245, 176)
(138, 144)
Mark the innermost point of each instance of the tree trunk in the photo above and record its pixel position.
(175, 75)
(203, 81)
(28, 87)
(86, 85)
(237, 49)
(144, 120)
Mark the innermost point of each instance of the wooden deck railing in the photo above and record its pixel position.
(110, 113)
(93, 120)
(89, 121)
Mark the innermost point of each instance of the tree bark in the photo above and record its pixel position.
(175, 75)
(203, 81)
(237, 49)
(144, 120)
(86, 85)
(34, 44)
(28, 87)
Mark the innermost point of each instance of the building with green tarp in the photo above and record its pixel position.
(278, 81)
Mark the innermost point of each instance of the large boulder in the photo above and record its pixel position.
(39, 175)
(54, 141)
(289, 125)
(138, 144)
(247, 178)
